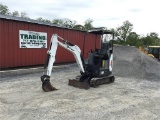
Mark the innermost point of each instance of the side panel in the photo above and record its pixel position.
(1, 42)
(13, 56)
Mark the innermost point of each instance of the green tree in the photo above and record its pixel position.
(43, 20)
(4, 9)
(124, 30)
(88, 24)
(148, 40)
(24, 14)
(133, 39)
(79, 27)
(40, 19)
(64, 22)
(154, 35)
(15, 13)
(113, 30)
(46, 20)
(69, 23)
(57, 21)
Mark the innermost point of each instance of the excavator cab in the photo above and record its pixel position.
(98, 68)
(100, 58)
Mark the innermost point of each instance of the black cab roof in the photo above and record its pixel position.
(100, 32)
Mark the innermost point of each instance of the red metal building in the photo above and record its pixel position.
(11, 55)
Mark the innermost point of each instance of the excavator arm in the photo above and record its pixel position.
(74, 49)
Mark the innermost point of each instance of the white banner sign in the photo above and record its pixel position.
(32, 39)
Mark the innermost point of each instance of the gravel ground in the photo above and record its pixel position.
(128, 98)
(130, 62)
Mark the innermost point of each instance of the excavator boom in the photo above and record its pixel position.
(74, 49)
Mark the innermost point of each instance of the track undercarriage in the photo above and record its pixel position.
(76, 82)
(94, 82)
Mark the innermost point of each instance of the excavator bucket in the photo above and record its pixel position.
(77, 84)
(46, 85)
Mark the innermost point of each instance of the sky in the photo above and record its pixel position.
(143, 14)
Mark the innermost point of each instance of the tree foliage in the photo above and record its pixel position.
(43, 20)
(154, 35)
(124, 30)
(133, 39)
(88, 24)
(15, 13)
(24, 14)
(69, 23)
(57, 21)
(125, 36)
(4, 9)
(151, 39)
(79, 27)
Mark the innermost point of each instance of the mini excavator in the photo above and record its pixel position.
(97, 70)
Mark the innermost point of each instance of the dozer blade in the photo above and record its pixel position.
(77, 84)
(46, 86)
(94, 82)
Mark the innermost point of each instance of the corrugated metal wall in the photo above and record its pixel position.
(13, 56)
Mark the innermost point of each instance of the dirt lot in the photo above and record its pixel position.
(128, 98)
(21, 98)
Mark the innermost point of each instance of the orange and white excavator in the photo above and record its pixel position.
(154, 51)
(95, 71)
